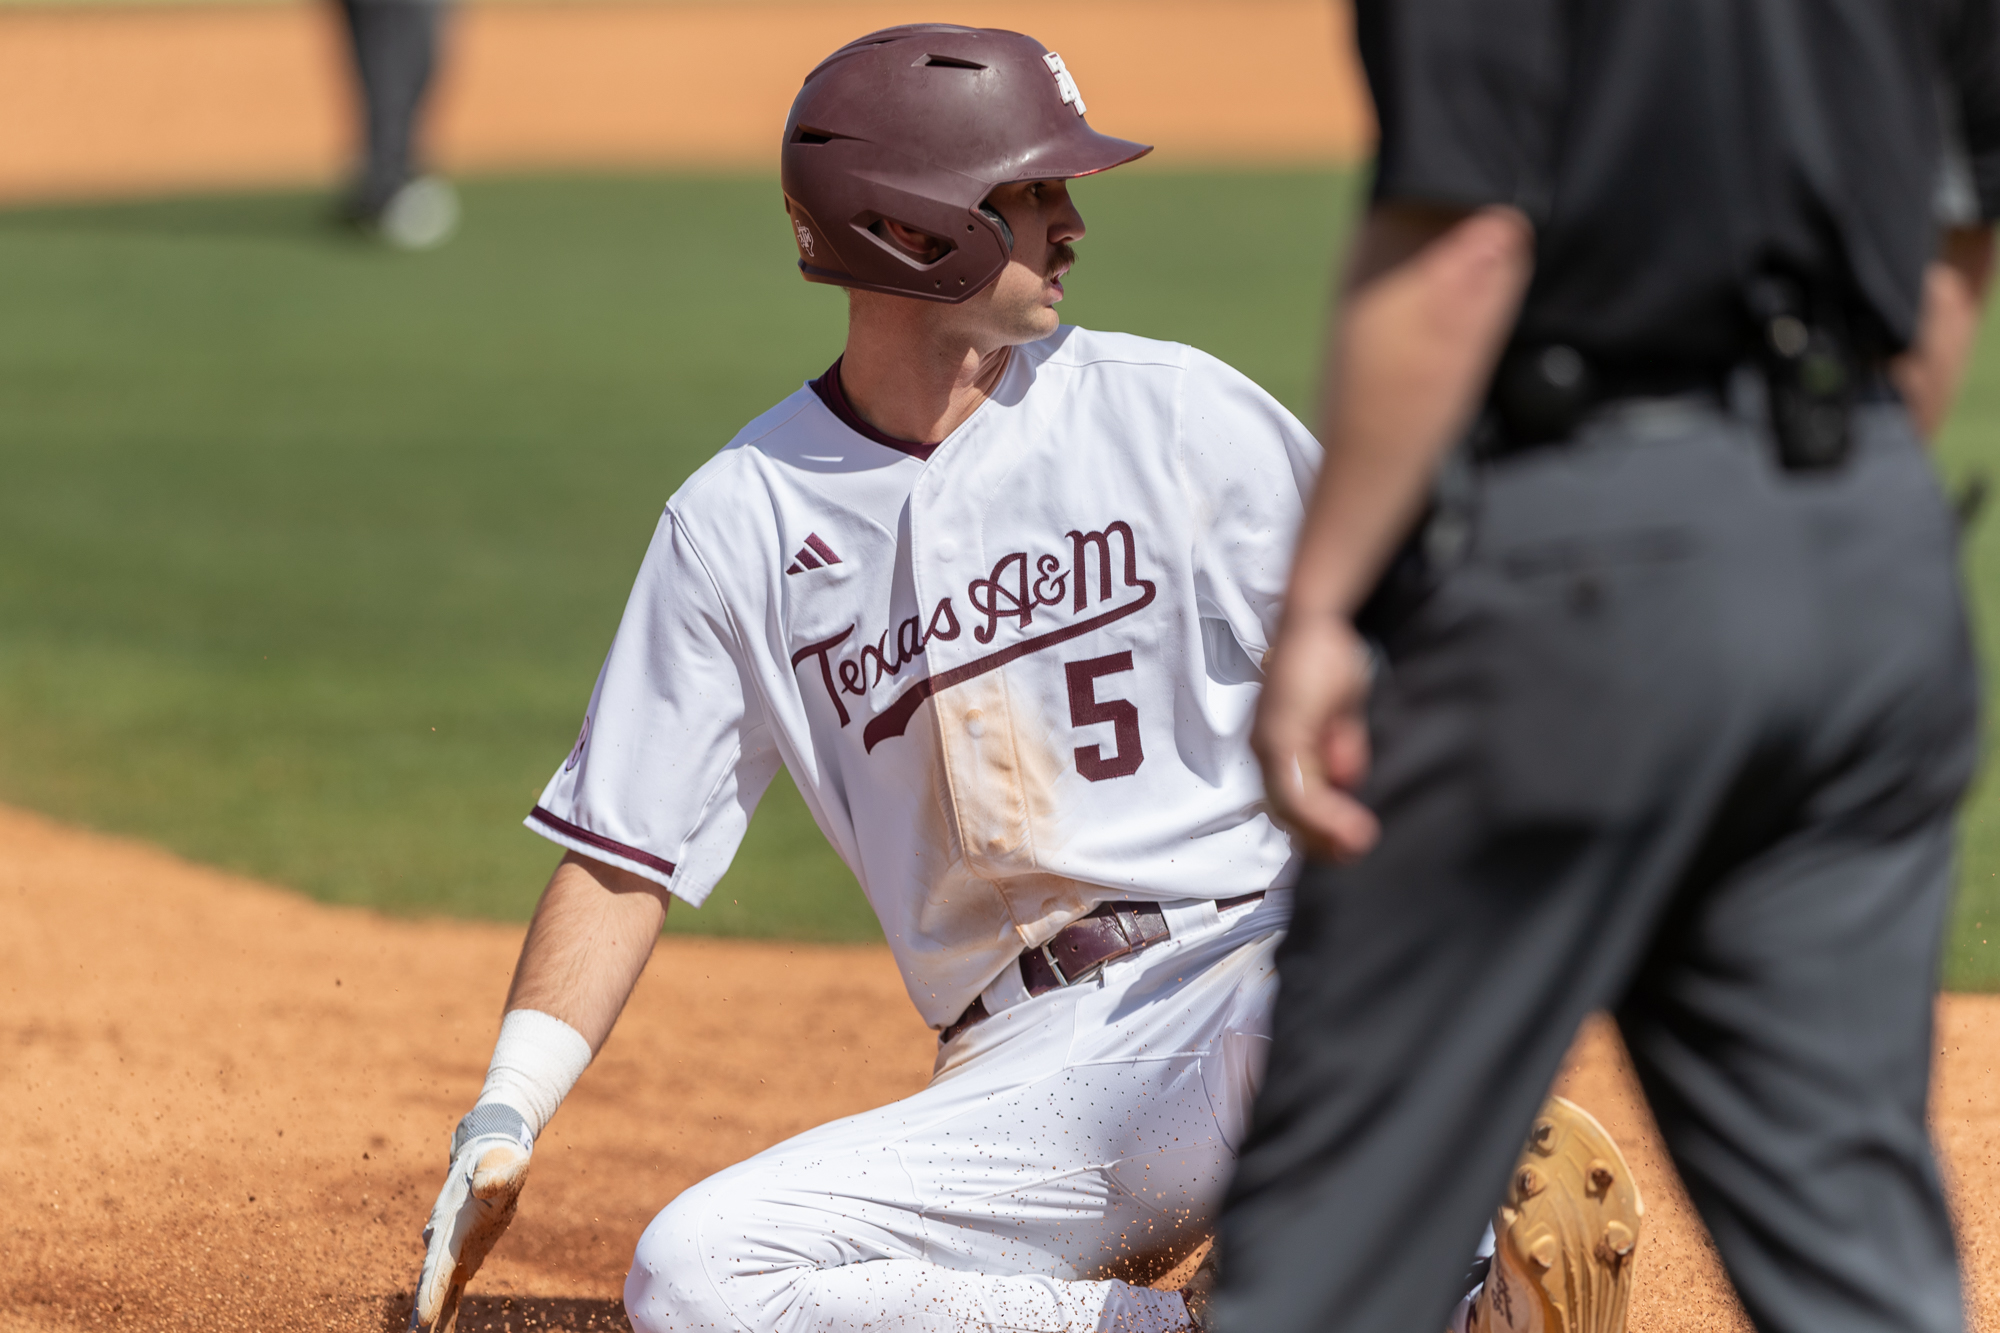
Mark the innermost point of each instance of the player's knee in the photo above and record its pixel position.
(701, 1264)
(672, 1287)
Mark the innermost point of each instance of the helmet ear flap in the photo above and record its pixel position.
(1006, 232)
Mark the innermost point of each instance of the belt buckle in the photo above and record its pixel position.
(1094, 970)
(1063, 979)
(1125, 919)
(1049, 957)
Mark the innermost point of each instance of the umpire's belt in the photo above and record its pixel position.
(1082, 948)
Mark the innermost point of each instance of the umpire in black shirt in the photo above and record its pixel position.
(1666, 705)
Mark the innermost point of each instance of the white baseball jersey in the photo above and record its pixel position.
(1012, 679)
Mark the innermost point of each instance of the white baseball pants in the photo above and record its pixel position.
(1067, 1142)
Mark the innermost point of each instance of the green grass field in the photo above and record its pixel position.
(309, 552)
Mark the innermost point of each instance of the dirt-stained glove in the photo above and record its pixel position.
(489, 1164)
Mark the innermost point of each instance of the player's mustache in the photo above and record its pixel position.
(1062, 258)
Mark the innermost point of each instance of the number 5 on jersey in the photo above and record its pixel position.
(1086, 709)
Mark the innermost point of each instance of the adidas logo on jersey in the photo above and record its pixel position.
(814, 554)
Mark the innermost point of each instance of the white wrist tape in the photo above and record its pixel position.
(536, 1061)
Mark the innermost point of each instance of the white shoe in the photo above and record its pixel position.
(420, 216)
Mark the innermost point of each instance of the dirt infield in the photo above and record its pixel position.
(228, 1106)
(110, 100)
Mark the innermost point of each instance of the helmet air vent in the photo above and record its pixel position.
(926, 252)
(948, 62)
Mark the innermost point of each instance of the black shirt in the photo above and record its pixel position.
(1670, 151)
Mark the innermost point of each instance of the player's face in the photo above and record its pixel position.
(1020, 305)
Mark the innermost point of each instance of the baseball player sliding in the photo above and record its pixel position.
(995, 592)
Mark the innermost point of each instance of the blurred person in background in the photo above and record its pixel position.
(1624, 663)
(395, 45)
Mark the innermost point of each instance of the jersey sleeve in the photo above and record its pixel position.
(675, 752)
(1249, 467)
(1468, 97)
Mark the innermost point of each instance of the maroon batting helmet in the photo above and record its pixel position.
(917, 125)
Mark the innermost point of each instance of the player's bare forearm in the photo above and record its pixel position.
(1955, 287)
(591, 936)
(1431, 297)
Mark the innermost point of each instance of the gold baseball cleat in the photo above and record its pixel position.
(1566, 1235)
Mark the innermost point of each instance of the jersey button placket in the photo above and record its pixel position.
(930, 576)
(971, 738)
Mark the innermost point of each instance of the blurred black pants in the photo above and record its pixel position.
(1680, 736)
(395, 48)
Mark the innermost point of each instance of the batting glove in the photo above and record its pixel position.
(489, 1164)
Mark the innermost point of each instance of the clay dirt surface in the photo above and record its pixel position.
(227, 1106)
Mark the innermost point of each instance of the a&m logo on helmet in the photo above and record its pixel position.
(805, 237)
(1065, 82)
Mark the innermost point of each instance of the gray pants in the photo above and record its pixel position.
(395, 45)
(1680, 736)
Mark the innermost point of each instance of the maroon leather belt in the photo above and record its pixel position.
(1080, 949)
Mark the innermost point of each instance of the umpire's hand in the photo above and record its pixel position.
(1311, 735)
(475, 1206)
